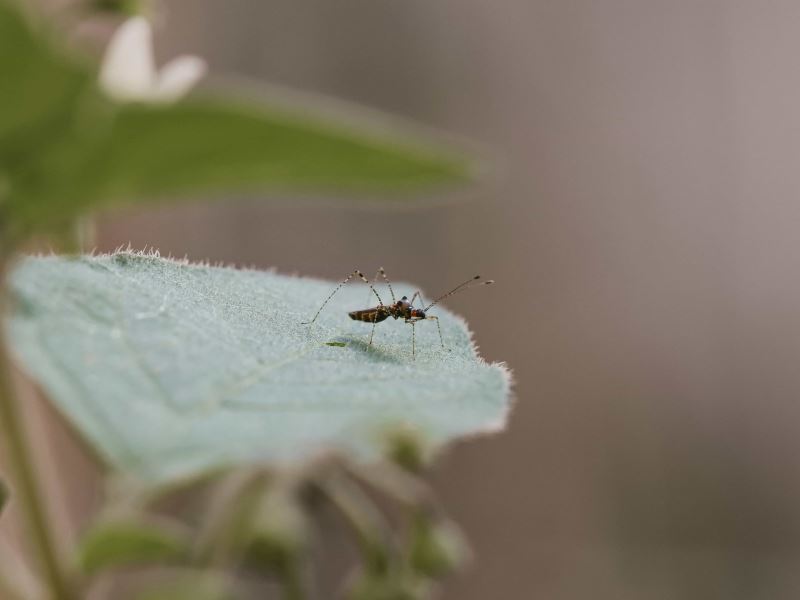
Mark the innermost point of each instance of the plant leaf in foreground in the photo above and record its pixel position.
(169, 369)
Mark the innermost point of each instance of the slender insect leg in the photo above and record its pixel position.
(369, 292)
(382, 273)
(371, 333)
(439, 327)
(338, 287)
(413, 322)
(422, 300)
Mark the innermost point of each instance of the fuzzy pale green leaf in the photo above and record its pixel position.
(170, 369)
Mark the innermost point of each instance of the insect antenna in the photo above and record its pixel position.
(469, 283)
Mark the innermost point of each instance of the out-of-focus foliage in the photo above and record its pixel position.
(278, 532)
(169, 369)
(259, 528)
(66, 149)
(121, 7)
(153, 151)
(194, 586)
(399, 584)
(128, 542)
(3, 495)
(437, 547)
(39, 88)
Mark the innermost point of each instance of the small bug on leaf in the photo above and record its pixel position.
(398, 309)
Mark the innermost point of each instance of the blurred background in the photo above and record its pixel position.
(642, 227)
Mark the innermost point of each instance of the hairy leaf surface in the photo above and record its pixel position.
(170, 369)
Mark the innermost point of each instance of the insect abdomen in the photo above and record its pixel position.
(369, 315)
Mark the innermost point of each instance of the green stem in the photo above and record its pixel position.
(28, 491)
(292, 582)
(17, 582)
(7, 592)
(233, 499)
(363, 518)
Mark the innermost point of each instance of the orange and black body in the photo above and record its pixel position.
(402, 309)
(371, 315)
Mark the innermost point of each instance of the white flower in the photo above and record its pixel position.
(128, 72)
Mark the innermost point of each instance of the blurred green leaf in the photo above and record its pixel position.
(406, 448)
(437, 546)
(155, 152)
(51, 114)
(118, 7)
(194, 145)
(278, 535)
(120, 543)
(38, 85)
(4, 495)
(396, 584)
(229, 511)
(66, 149)
(278, 538)
(197, 586)
(170, 369)
(368, 524)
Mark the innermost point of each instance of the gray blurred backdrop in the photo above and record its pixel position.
(643, 232)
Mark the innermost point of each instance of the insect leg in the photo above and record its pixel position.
(338, 287)
(418, 293)
(422, 300)
(382, 273)
(439, 327)
(413, 340)
(371, 333)
(386, 280)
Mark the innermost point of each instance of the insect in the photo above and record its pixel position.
(398, 309)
